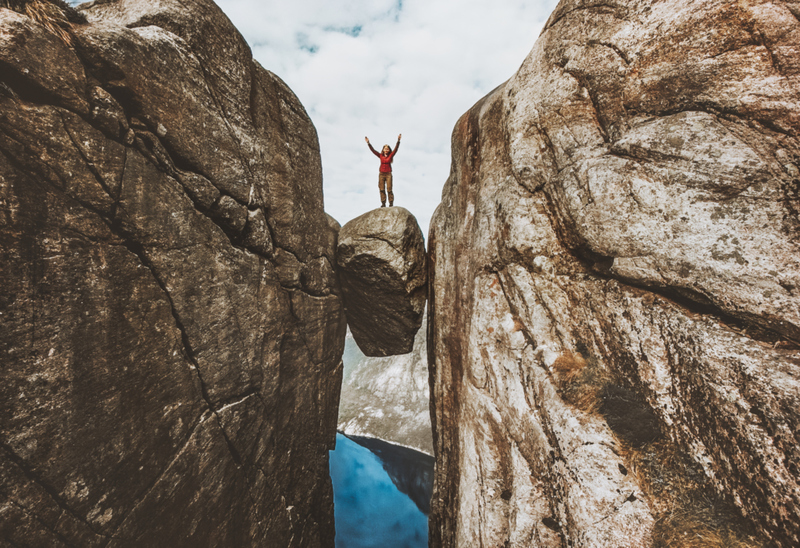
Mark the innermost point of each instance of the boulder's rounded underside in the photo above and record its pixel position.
(382, 270)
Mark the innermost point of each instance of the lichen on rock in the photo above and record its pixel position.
(616, 247)
(161, 384)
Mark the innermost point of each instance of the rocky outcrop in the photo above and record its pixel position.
(381, 260)
(171, 329)
(387, 398)
(614, 305)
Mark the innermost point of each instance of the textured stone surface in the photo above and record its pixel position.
(160, 385)
(615, 276)
(381, 265)
(387, 398)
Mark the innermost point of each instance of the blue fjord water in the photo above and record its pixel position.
(369, 508)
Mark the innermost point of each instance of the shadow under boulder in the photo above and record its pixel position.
(381, 263)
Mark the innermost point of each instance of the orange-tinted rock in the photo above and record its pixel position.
(615, 270)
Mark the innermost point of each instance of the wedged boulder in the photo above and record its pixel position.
(161, 383)
(615, 313)
(382, 270)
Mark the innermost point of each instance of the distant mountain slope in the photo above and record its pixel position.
(387, 398)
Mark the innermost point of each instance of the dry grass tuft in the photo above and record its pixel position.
(568, 365)
(56, 16)
(688, 512)
(580, 382)
(51, 17)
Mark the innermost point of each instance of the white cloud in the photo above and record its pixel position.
(383, 67)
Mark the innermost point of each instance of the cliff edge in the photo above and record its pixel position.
(172, 330)
(614, 316)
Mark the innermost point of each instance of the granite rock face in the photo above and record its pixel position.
(171, 325)
(387, 398)
(381, 266)
(614, 310)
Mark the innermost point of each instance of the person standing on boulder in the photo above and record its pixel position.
(386, 156)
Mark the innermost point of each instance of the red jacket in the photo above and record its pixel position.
(386, 161)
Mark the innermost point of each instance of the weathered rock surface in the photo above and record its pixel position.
(614, 309)
(387, 398)
(160, 384)
(381, 260)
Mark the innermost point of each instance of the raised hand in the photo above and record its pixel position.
(398, 137)
(367, 140)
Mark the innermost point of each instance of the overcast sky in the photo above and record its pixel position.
(382, 67)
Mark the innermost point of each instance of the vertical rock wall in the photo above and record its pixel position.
(171, 331)
(614, 312)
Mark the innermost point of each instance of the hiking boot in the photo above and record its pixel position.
(383, 205)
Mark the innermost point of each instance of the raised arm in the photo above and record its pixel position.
(396, 146)
(375, 152)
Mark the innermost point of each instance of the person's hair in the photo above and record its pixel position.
(386, 146)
